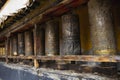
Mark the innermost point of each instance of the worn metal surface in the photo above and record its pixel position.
(28, 43)
(40, 40)
(21, 46)
(15, 45)
(71, 34)
(11, 46)
(52, 38)
(6, 49)
(102, 34)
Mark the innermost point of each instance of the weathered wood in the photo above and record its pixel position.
(71, 34)
(101, 21)
(37, 17)
(52, 38)
(29, 43)
(21, 46)
(84, 58)
(36, 64)
(35, 39)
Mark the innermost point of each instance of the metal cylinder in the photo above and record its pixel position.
(28, 43)
(40, 41)
(70, 34)
(21, 48)
(102, 34)
(15, 46)
(11, 46)
(52, 38)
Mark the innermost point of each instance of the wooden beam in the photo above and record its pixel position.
(41, 15)
(86, 58)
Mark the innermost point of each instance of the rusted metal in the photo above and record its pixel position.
(28, 43)
(15, 45)
(102, 35)
(21, 47)
(71, 34)
(52, 38)
(40, 40)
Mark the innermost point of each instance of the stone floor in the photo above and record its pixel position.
(23, 72)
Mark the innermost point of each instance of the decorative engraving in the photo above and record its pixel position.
(102, 34)
(52, 38)
(71, 34)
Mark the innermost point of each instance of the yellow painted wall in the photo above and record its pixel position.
(116, 19)
(85, 38)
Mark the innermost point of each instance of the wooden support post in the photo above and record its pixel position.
(70, 34)
(6, 49)
(102, 34)
(36, 64)
(28, 43)
(52, 38)
(21, 47)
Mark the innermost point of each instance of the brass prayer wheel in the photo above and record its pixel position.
(29, 43)
(11, 46)
(102, 34)
(71, 34)
(52, 38)
(15, 45)
(21, 50)
(40, 40)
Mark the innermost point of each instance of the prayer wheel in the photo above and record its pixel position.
(101, 24)
(39, 40)
(11, 46)
(21, 50)
(70, 34)
(29, 43)
(52, 38)
(15, 45)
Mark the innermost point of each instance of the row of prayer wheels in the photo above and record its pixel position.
(2, 51)
(44, 39)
